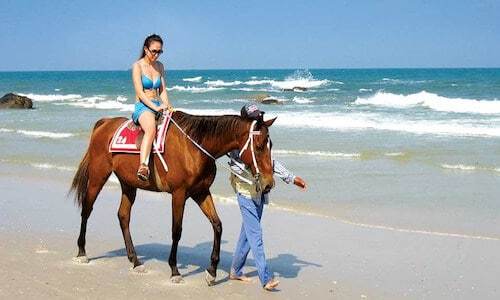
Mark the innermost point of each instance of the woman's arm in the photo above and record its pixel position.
(136, 79)
(163, 87)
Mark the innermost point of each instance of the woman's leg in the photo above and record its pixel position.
(251, 223)
(148, 125)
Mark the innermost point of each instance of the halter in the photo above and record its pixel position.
(251, 134)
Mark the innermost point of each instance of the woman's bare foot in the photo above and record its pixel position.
(240, 278)
(271, 284)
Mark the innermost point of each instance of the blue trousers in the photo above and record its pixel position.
(251, 239)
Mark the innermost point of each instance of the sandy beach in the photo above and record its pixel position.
(313, 256)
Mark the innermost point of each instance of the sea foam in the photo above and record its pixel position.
(45, 134)
(54, 97)
(51, 166)
(194, 89)
(374, 121)
(432, 101)
(316, 153)
(193, 79)
(217, 83)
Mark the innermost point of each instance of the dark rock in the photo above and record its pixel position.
(266, 99)
(15, 101)
(296, 89)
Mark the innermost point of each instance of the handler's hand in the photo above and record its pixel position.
(300, 183)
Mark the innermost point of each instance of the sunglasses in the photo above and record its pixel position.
(156, 51)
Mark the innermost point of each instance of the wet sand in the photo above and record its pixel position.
(312, 256)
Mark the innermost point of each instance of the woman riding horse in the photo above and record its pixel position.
(148, 76)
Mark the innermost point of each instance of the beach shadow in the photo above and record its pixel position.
(285, 265)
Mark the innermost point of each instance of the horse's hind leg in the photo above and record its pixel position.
(128, 198)
(204, 200)
(95, 184)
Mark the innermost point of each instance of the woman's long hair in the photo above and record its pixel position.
(148, 41)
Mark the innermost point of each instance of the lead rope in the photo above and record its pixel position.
(210, 155)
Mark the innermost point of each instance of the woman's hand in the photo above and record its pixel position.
(165, 107)
(300, 183)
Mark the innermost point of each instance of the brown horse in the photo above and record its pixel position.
(190, 173)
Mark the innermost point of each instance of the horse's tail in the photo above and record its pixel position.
(80, 181)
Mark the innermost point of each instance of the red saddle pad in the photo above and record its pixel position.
(128, 136)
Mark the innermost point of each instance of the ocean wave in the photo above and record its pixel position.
(258, 82)
(193, 79)
(194, 89)
(51, 166)
(121, 99)
(50, 98)
(253, 89)
(107, 104)
(402, 81)
(373, 121)
(463, 167)
(218, 83)
(39, 134)
(299, 83)
(393, 154)
(367, 121)
(432, 101)
(299, 79)
(209, 112)
(302, 100)
(364, 90)
(317, 153)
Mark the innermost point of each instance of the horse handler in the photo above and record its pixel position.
(251, 203)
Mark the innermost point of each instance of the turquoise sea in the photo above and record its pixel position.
(415, 149)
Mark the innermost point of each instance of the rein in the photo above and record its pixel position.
(215, 159)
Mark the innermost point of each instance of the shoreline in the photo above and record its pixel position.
(224, 196)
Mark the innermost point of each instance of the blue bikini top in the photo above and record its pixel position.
(148, 84)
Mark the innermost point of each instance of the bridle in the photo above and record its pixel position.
(250, 142)
(250, 139)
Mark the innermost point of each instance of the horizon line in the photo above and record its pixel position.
(254, 69)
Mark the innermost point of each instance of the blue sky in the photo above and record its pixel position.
(107, 35)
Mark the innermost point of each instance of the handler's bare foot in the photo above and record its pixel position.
(271, 284)
(240, 278)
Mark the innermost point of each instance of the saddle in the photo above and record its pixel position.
(128, 137)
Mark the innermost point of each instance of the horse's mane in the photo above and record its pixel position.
(200, 128)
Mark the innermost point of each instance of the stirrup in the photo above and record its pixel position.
(143, 172)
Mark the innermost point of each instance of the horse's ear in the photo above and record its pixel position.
(268, 123)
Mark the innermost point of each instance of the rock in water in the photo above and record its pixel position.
(15, 101)
(295, 89)
(266, 99)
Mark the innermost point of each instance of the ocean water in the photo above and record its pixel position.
(415, 149)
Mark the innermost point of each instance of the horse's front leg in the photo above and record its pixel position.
(206, 204)
(178, 203)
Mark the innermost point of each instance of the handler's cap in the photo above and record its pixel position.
(251, 111)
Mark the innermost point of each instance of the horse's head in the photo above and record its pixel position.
(255, 152)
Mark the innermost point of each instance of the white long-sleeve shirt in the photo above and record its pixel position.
(249, 190)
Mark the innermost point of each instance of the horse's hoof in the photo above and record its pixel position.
(81, 259)
(140, 269)
(177, 279)
(209, 278)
